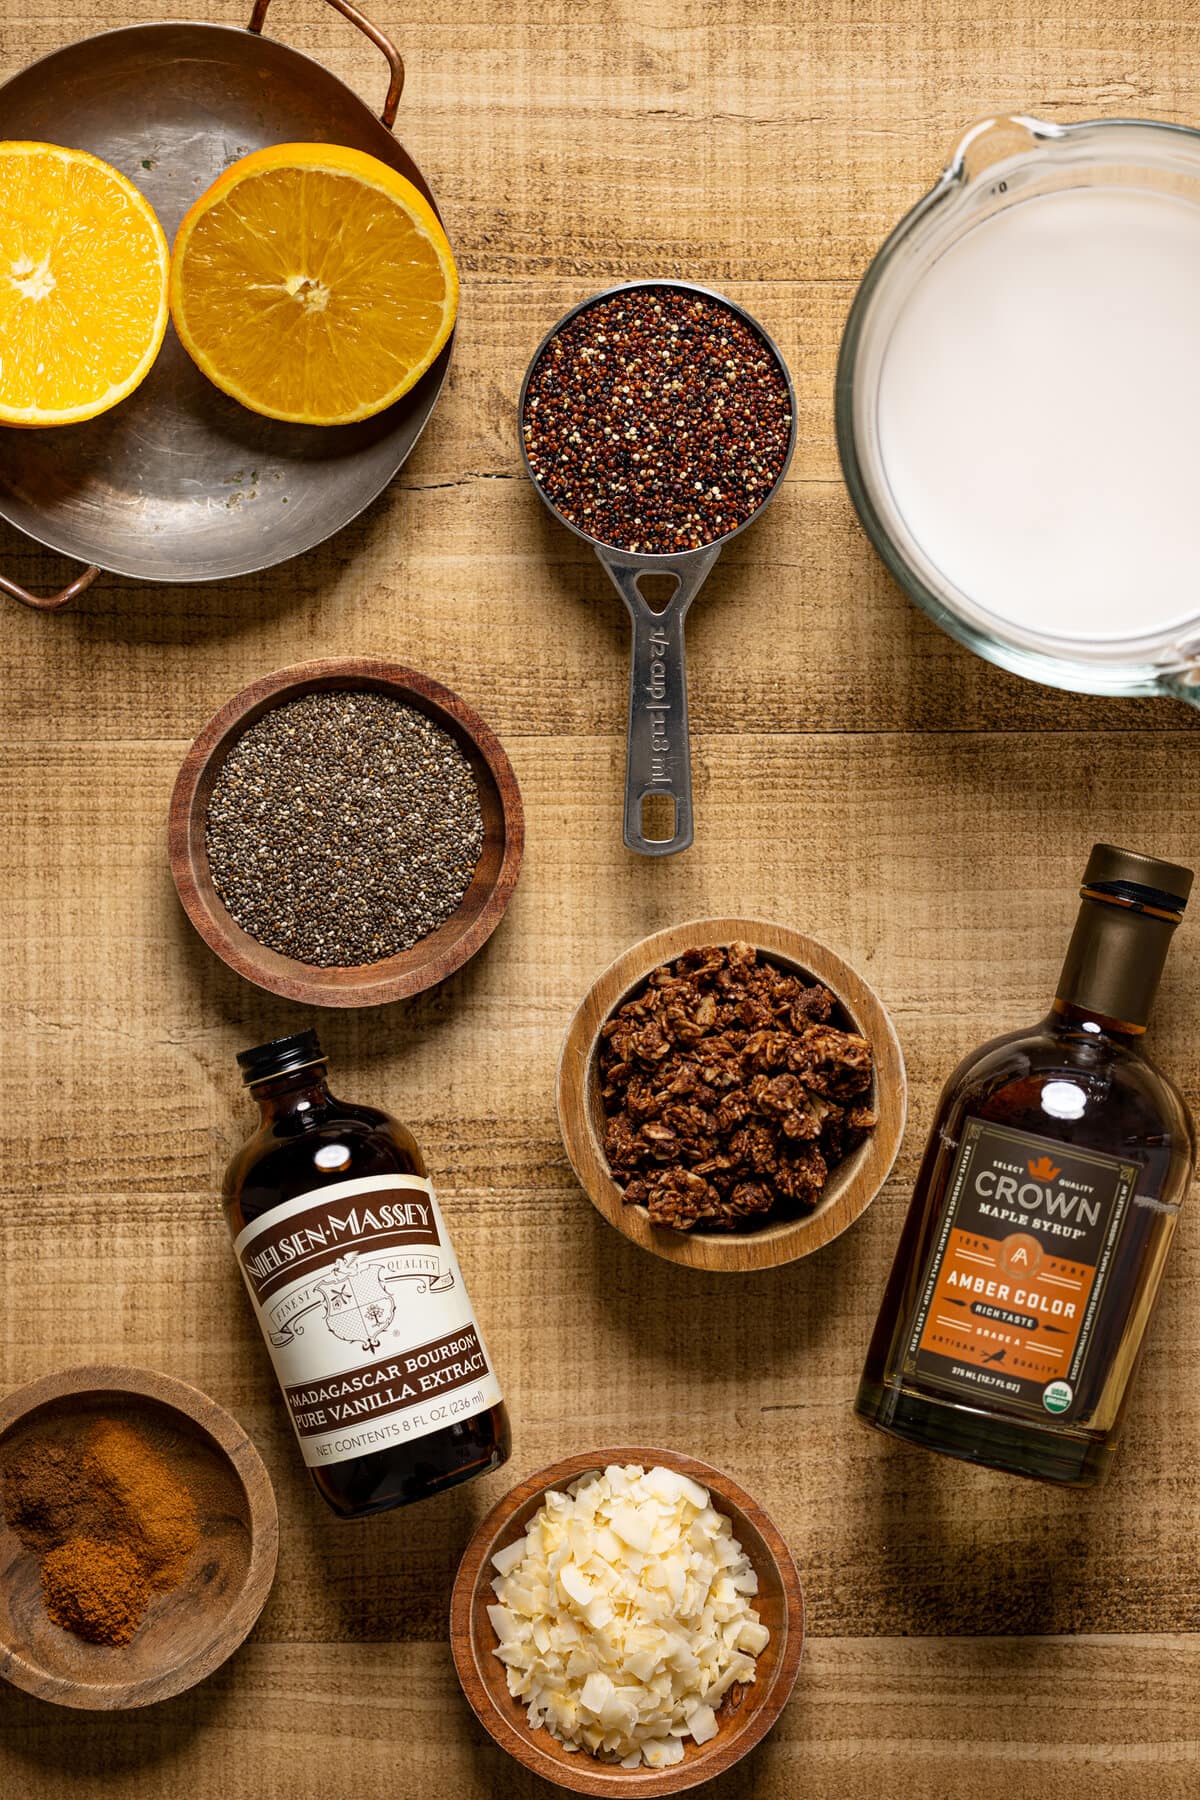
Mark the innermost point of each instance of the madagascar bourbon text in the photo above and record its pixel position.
(362, 1305)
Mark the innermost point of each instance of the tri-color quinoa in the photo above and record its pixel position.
(657, 420)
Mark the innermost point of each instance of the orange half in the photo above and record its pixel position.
(313, 283)
(83, 285)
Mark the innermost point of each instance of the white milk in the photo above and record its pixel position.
(1039, 413)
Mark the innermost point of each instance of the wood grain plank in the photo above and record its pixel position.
(798, 628)
(943, 865)
(754, 1373)
(858, 776)
(844, 649)
(305, 1721)
(766, 141)
(947, 875)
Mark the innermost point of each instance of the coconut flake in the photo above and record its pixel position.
(623, 1615)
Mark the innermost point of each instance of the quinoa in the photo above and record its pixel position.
(657, 420)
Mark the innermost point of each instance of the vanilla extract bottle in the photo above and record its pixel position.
(1036, 1238)
(358, 1293)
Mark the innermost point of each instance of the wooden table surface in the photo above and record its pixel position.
(857, 775)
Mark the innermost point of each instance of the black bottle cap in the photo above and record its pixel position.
(280, 1057)
(1128, 876)
(1131, 906)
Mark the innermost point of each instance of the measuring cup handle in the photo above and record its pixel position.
(658, 758)
(382, 43)
(658, 755)
(49, 602)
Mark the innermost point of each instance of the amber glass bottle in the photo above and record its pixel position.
(356, 1287)
(1035, 1241)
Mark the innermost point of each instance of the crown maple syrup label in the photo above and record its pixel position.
(1016, 1279)
(361, 1301)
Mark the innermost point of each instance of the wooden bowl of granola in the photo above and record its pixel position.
(733, 1097)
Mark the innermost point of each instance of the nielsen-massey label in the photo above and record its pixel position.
(1017, 1275)
(360, 1298)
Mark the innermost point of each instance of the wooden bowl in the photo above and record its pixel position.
(746, 1715)
(188, 1632)
(436, 956)
(852, 1185)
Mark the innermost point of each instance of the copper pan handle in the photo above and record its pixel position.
(395, 61)
(52, 602)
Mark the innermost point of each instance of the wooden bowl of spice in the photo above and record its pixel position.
(346, 832)
(731, 1094)
(138, 1537)
(689, 1695)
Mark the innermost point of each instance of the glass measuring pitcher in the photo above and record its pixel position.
(1138, 168)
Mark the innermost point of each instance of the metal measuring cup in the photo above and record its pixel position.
(658, 756)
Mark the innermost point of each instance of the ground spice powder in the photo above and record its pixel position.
(151, 1506)
(43, 1502)
(98, 1591)
(109, 1520)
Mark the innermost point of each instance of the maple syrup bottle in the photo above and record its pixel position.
(358, 1293)
(1035, 1241)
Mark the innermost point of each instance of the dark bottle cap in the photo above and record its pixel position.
(1127, 876)
(1131, 906)
(267, 1061)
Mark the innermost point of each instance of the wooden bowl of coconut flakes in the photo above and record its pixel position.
(747, 1711)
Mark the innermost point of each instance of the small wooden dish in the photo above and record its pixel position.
(188, 1632)
(436, 956)
(852, 1185)
(747, 1714)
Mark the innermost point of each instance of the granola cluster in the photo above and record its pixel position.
(728, 1094)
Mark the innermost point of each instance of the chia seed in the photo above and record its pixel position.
(343, 828)
(657, 421)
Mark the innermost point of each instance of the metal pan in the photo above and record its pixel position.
(179, 482)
